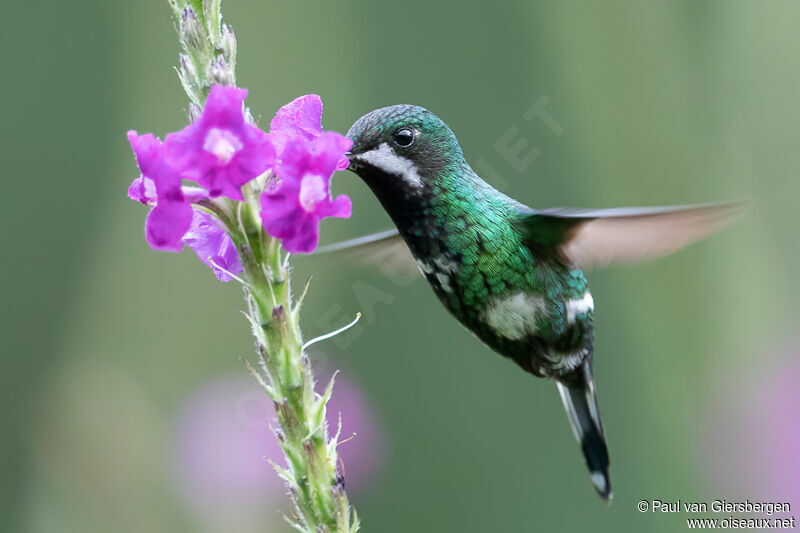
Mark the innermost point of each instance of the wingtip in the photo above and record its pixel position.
(732, 209)
(724, 214)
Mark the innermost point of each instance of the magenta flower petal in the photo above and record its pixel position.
(167, 223)
(221, 151)
(301, 232)
(213, 246)
(307, 236)
(329, 148)
(148, 150)
(142, 190)
(292, 209)
(340, 207)
(172, 215)
(294, 163)
(224, 106)
(343, 164)
(299, 119)
(280, 213)
(320, 156)
(302, 117)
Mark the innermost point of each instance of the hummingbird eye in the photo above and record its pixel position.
(404, 137)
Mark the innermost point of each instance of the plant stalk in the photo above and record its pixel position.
(208, 57)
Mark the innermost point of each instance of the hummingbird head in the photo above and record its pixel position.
(402, 150)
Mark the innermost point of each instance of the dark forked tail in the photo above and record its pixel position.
(580, 400)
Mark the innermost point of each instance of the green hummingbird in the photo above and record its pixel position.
(512, 275)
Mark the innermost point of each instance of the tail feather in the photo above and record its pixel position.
(580, 402)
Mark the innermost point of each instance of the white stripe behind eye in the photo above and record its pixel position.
(384, 158)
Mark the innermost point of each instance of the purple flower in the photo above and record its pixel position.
(223, 444)
(208, 240)
(143, 190)
(292, 209)
(222, 440)
(752, 429)
(221, 151)
(166, 225)
(301, 118)
(213, 246)
(169, 220)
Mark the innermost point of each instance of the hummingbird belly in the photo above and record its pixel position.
(543, 322)
(549, 337)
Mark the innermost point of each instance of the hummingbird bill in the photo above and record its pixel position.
(511, 274)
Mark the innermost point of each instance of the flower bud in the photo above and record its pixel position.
(220, 73)
(192, 30)
(228, 44)
(187, 72)
(194, 111)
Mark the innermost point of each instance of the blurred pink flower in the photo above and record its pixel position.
(754, 429)
(223, 442)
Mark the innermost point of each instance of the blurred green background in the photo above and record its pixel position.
(106, 342)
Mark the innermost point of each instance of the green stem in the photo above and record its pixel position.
(319, 498)
(321, 504)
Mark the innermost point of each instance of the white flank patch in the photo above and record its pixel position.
(384, 158)
(515, 317)
(578, 307)
(444, 281)
(424, 268)
(445, 264)
(441, 268)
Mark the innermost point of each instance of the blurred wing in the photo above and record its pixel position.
(596, 238)
(382, 237)
(385, 249)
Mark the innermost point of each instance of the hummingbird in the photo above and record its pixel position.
(511, 274)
